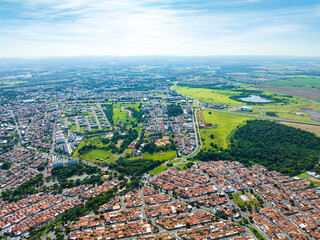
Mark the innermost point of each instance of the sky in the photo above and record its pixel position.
(41, 28)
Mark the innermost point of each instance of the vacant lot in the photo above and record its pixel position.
(309, 179)
(97, 153)
(301, 92)
(223, 124)
(158, 169)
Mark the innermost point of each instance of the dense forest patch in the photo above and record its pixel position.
(134, 167)
(174, 110)
(276, 146)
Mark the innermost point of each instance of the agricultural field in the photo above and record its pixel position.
(223, 124)
(308, 93)
(300, 81)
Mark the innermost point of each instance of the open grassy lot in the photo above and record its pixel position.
(119, 114)
(252, 201)
(161, 156)
(309, 179)
(209, 95)
(124, 115)
(158, 169)
(309, 128)
(291, 112)
(97, 153)
(181, 167)
(222, 126)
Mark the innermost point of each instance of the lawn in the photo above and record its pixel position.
(161, 156)
(223, 126)
(158, 169)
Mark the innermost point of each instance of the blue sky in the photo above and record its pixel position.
(38, 28)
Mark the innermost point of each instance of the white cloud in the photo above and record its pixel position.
(141, 27)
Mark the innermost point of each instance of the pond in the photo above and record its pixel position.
(255, 98)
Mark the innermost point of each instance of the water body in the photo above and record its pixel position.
(255, 98)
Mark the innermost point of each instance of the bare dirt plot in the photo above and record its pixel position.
(305, 127)
(120, 141)
(309, 93)
(314, 114)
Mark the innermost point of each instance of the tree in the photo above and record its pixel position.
(6, 165)
(188, 225)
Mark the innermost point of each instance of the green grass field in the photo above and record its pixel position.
(311, 179)
(224, 125)
(161, 156)
(291, 112)
(120, 115)
(181, 167)
(222, 96)
(158, 169)
(97, 153)
(209, 95)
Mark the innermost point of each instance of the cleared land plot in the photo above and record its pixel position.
(223, 124)
(292, 112)
(309, 179)
(309, 128)
(301, 92)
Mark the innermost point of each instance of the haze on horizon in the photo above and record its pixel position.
(35, 28)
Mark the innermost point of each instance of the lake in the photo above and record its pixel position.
(255, 98)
